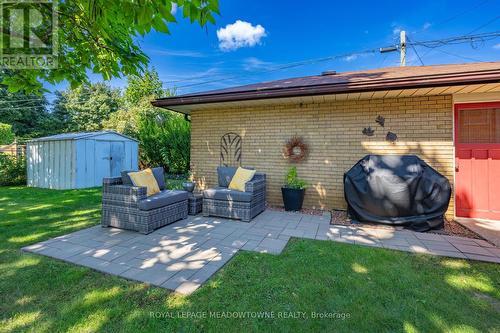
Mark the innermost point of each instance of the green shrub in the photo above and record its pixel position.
(293, 181)
(6, 134)
(164, 140)
(12, 170)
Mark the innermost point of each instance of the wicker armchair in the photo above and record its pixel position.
(128, 207)
(223, 202)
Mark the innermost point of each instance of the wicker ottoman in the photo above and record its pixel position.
(195, 201)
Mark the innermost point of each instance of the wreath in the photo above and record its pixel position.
(295, 149)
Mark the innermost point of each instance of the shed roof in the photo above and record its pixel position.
(356, 81)
(78, 136)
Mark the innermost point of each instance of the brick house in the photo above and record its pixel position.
(449, 115)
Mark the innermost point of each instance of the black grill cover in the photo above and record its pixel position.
(395, 189)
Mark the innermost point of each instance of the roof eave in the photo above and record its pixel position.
(337, 88)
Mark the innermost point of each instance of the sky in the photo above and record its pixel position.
(253, 40)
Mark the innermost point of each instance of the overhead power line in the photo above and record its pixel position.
(458, 40)
(432, 44)
(484, 25)
(286, 66)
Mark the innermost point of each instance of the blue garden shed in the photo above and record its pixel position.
(79, 160)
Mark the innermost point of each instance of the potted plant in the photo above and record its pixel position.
(293, 191)
(189, 185)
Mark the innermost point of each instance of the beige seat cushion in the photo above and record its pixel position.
(145, 178)
(240, 178)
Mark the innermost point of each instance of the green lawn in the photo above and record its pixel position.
(376, 290)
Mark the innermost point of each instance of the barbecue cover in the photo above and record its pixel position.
(396, 189)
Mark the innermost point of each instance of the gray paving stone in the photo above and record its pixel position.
(395, 242)
(154, 275)
(179, 278)
(483, 243)
(398, 247)
(428, 236)
(268, 250)
(474, 250)
(459, 240)
(34, 248)
(250, 245)
(184, 255)
(103, 266)
(483, 258)
(494, 250)
(293, 232)
(271, 245)
(321, 237)
(211, 243)
(109, 253)
(284, 237)
(310, 234)
(258, 238)
(445, 253)
(234, 242)
(63, 253)
(257, 231)
(439, 245)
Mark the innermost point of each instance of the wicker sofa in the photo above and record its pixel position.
(128, 207)
(223, 202)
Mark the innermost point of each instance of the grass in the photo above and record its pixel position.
(365, 289)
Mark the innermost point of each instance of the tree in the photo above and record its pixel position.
(164, 137)
(85, 108)
(26, 113)
(137, 102)
(146, 85)
(101, 36)
(165, 141)
(6, 134)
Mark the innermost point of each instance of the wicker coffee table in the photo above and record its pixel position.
(195, 201)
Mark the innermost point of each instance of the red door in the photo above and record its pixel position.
(477, 160)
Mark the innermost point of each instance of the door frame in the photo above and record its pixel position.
(456, 127)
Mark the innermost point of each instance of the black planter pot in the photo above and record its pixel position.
(293, 198)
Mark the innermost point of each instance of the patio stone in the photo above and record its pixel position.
(293, 232)
(421, 235)
(474, 250)
(103, 266)
(250, 245)
(445, 253)
(184, 255)
(154, 275)
(179, 278)
(483, 258)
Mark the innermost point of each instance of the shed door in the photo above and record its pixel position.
(477, 160)
(116, 154)
(102, 160)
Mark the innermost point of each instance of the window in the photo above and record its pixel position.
(480, 125)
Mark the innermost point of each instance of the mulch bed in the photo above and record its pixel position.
(450, 228)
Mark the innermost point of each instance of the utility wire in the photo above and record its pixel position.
(415, 50)
(466, 11)
(484, 25)
(285, 66)
(432, 44)
(458, 40)
(458, 56)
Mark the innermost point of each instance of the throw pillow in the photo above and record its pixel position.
(145, 178)
(240, 178)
